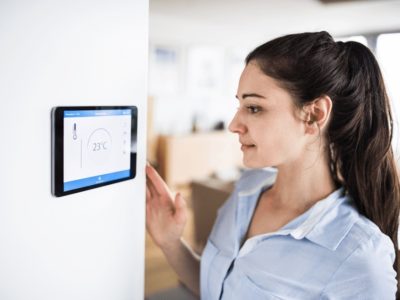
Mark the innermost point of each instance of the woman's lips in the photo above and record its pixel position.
(246, 147)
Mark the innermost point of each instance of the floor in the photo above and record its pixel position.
(161, 281)
(176, 293)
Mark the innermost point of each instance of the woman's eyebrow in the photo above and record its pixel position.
(253, 95)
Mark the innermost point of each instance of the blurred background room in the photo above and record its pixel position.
(196, 54)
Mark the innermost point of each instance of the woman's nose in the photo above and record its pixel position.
(236, 126)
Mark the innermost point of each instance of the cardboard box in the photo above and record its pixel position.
(182, 159)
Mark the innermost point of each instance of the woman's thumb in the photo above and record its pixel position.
(180, 209)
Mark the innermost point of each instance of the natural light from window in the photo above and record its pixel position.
(388, 50)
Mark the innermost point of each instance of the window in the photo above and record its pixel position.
(388, 49)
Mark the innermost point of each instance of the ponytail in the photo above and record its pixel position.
(360, 130)
(361, 142)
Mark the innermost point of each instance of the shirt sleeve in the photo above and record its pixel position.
(366, 274)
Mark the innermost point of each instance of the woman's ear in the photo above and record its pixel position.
(317, 114)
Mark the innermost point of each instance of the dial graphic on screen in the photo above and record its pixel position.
(99, 146)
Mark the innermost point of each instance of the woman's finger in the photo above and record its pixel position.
(152, 189)
(158, 183)
(148, 194)
(180, 209)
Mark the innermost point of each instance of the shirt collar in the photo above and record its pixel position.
(334, 223)
(327, 222)
(258, 180)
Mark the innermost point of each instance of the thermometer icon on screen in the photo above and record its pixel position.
(74, 136)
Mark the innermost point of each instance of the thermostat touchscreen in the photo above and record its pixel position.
(98, 147)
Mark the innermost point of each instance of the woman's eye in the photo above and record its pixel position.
(253, 109)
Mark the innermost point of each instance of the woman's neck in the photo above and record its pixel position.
(301, 184)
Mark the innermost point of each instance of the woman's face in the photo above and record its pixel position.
(269, 126)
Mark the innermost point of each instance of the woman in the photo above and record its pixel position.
(323, 223)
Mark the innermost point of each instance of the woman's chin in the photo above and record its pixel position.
(254, 164)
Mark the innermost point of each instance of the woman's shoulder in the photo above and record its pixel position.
(368, 238)
(368, 265)
(365, 258)
(353, 232)
(350, 237)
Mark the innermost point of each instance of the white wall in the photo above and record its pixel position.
(88, 245)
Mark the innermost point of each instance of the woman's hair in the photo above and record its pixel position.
(359, 133)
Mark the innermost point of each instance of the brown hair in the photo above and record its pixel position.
(359, 133)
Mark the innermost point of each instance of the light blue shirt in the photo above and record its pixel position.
(329, 252)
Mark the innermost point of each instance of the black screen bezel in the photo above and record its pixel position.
(57, 143)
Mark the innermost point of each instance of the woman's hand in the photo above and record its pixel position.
(165, 216)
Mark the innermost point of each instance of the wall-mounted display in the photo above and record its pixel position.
(92, 146)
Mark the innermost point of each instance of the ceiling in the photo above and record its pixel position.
(235, 22)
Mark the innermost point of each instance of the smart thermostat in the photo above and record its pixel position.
(92, 146)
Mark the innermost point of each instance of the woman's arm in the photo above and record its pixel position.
(165, 220)
(186, 264)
